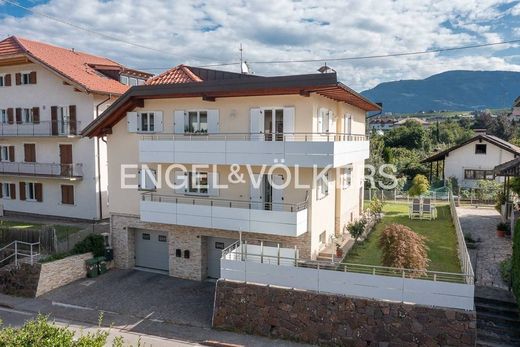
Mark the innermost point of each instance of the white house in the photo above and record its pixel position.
(472, 160)
(48, 94)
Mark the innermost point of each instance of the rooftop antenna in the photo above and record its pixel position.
(244, 68)
(326, 69)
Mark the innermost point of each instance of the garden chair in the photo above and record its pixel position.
(415, 209)
(428, 209)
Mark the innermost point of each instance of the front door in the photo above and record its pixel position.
(215, 247)
(66, 160)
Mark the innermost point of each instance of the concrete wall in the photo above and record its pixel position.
(333, 320)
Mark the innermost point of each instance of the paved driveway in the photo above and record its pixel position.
(142, 295)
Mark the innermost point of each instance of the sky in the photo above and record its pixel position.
(200, 33)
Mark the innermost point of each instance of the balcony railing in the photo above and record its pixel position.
(208, 201)
(43, 128)
(42, 169)
(296, 137)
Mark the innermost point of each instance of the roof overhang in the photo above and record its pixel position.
(322, 84)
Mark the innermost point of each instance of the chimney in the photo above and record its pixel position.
(480, 131)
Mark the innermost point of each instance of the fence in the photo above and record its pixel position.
(68, 241)
(16, 250)
(45, 236)
(401, 195)
(282, 267)
(464, 258)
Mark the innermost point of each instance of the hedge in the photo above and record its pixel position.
(515, 273)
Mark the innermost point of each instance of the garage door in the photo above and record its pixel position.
(215, 247)
(151, 249)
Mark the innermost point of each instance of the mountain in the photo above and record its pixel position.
(451, 90)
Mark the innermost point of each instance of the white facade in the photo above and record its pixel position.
(89, 162)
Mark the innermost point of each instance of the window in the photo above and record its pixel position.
(2, 80)
(132, 81)
(478, 174)
(123, 79)
(147, 121)
(480, 148)
(67, 194)
(30, 191)
(325, 119)
(3, 116)
(63, 118)
(26, 78)
(6, 190)
(322, 186)
(146, 236)
(346, 178)
(197, 122)
(161, 238)
(27, 115)
(219, 245)
(6, 153)
(198, 182)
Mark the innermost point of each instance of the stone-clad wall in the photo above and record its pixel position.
(335, 320)
(186, 238)
(58, 273)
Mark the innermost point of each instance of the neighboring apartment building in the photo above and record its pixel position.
(193, 116)
(383, 124)
(472, 160)
(48, 95)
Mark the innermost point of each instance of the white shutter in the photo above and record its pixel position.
(320, 121)
(277, 194)
(179, 177)
(146, 179)
(179, 122)
(213, 178)
(288, 123)
(256, 192)
(257, 124)
(158, 125)
(131, 118)
(213, 122)
(332, 122)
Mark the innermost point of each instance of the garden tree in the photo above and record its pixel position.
(375, 207)
(411, 135)
(357, 228)
(401, 247)
(503, 128)
(450, 133)
(420, 185)
(376, 159)
(488, 189)
(407, 161)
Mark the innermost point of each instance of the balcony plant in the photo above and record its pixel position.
(502, 228)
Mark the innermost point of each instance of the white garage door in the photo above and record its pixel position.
(215, 247)
(151, 249)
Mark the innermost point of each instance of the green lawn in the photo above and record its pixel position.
(61, 230)
(440, 235)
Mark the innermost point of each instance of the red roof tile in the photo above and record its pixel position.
(178, 74)
(72, 65)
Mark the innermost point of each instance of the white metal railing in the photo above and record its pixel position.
(18, 250)
(41, 169)
(286, 136)
(209, 201)
(464, 258)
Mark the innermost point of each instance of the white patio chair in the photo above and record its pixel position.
(415, 209)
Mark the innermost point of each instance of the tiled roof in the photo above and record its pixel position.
(72, 65)
(178, 74)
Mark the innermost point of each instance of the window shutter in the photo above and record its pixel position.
(22, 191)
(36, 115)
(213, 122)
(18, 115)
(10, 116)
(32, 77)
(1, 190)
(179, 122)
(145, 181)
(7, 80)
(18, 78)
(288, 123)
(38, 192)
(12, 190)
(54, 120)
(332, 122)
(320, 121)
(11, 153)
(257, 124)
(179, 178)
(158, 122)
(73, 120)
(131, 118)
(30, 152)
(213, 178)
(67, 194)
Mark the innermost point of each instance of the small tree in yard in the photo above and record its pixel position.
(401, 247)
(420, 185)
(376, 207)
(357, 228)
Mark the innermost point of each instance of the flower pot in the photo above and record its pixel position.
(339, 252)
(501, 233)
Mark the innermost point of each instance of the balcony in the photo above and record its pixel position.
(48, 170)
(303, 149)
(44, 128)
(246, 216)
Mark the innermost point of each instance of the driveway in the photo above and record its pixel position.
(142, 295)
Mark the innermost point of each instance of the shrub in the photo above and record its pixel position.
(92, 243)
(375, 207)
(357, 228)
(506, 266)
(500, 200)
(515, 266)
(403, 248)
(419, 186)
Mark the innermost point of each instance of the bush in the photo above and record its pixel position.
(401, 247)
(92, 243)
(506, 266)
(357, 228)
(419, 186)
(515, 266)
(375, 207)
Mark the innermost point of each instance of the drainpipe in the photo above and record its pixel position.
(100, 193)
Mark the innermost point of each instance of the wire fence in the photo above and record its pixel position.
(45, 236)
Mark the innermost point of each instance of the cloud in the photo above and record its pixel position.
(207, 32)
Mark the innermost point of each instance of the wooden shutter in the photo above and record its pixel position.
(30, 152)
(67, 194)
(18, 78)
(11, 153)
(1, 190)
(10, 116)
(12, 190)
(18, 115)
(72, 118)
(36, 115)
(7, 80)
(54, 120)
(38, 192)
(22, 191)
(32, 77)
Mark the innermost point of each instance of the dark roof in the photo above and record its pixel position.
(509, 168)
(324, 84)
(187, 74)
(489, 138)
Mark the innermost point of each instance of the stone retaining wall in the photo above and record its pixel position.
(334, 320)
